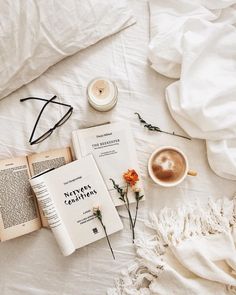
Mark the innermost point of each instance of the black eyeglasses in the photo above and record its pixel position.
(58, 124)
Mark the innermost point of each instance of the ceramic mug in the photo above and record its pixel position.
(169, 183)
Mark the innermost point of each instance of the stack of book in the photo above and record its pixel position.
(66, 191)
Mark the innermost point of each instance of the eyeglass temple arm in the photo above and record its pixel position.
(50, 100)
(36, 123)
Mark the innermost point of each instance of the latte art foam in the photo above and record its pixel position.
(169, 165)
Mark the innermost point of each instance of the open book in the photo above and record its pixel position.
(19, 211)
(113, 148)
(68, 195)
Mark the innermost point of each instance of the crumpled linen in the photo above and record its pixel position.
(195, 42)
(191, 251)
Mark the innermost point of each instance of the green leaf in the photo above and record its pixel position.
(118, 189)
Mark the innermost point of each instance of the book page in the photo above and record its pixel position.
(113, 148)
(18, 208)
(52, 216)
(40, 162)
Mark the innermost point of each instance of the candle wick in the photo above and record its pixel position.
(100, 90)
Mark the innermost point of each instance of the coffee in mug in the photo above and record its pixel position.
(168, 166)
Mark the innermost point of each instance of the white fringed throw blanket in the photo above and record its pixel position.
(191, 251)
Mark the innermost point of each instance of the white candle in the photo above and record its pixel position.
(102, 94)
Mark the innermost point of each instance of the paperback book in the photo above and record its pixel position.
(113, 148)
(68, 195)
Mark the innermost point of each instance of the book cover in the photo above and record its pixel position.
(113, 148)
(68, 195)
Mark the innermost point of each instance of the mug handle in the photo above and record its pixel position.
(192, 173)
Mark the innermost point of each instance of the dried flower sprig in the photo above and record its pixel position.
(124, 198)
(131, 178)
(98, 213)
(155, 128)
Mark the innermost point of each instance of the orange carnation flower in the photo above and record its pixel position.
(131, 177)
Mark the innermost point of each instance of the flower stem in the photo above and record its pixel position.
(127, 205)
(130, 216)
(175, 134)
(124, 197)
(136, 211)
(104, 227)
(131, 224)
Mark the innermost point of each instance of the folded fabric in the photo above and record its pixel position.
(195, 41)
(35, 35)
(191, 251)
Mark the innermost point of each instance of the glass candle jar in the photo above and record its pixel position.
(102, 94)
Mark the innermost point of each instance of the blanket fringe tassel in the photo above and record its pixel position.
(171, 227)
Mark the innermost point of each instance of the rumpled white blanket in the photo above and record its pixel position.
(191, 251)
(195, 42)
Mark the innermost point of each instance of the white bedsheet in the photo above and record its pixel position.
(195, 41)
(33, 264)
(35, 35)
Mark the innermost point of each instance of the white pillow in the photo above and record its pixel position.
(35, 34)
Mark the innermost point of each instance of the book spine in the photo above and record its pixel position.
(50, 212)
(76, 145)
